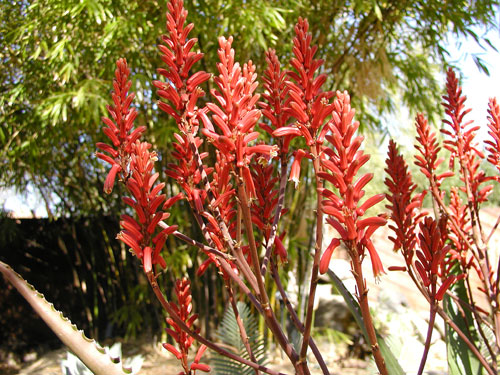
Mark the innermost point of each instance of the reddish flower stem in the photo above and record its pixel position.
(365, 309)
(478, 318)
(277, 216)
(466, 340)
(269, 316)
(223, 259)
(241, 327)
(317, 257)
(493, 230)
(427, 345)
(295, 319)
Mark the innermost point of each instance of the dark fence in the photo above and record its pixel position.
(80, 267)
(88, 275)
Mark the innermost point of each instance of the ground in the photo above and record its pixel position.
(158, 361)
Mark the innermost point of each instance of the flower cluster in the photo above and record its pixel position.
(461, 143)
(120, 130)
(431, 264)
(493, 147)
(236, 116)
(306, 101)
(428, 148)
(275, 104)
(181, 89)
(344, 209)
(146, 201)
(264, 206)
(183, 310)
(403, 203)
(135, 161)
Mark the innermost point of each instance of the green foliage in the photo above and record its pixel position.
(229, 335)
(59, 55)
(461, 360)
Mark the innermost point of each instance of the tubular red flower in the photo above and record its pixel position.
(182, 89)
(327, 255)
(295, 169)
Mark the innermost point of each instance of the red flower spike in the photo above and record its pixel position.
(181, 89)
(183, 308)
(493, 147)
(275, 107)
(458, 143)
(432, 266)
(341, 163)
(403, 203)
(119, 130)
(428, 148)
(461, 143)
(146, 199)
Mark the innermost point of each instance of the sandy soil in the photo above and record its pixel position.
(158, 361)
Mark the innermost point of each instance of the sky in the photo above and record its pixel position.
(477, 86)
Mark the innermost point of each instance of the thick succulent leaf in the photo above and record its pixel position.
(460, 359)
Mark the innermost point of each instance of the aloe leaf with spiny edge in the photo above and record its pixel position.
(89, 352)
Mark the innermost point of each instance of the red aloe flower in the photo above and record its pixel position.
(181, 89)
(119, 130)
(146, 199)
(307, 103)
(186, 171)
(183, 310)
(428, 148)
(494, 126)
(237, 116)
(461, 135)
(461, 248)
(461, 143)
(404, 204)
(275, 107)
(264, 206)
(432, 263)
(345, 209)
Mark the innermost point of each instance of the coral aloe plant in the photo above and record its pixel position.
(234, 179)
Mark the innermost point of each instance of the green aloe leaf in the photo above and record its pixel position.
(460, 358)
(393, 366)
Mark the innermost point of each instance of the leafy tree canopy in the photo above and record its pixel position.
(57, 62)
